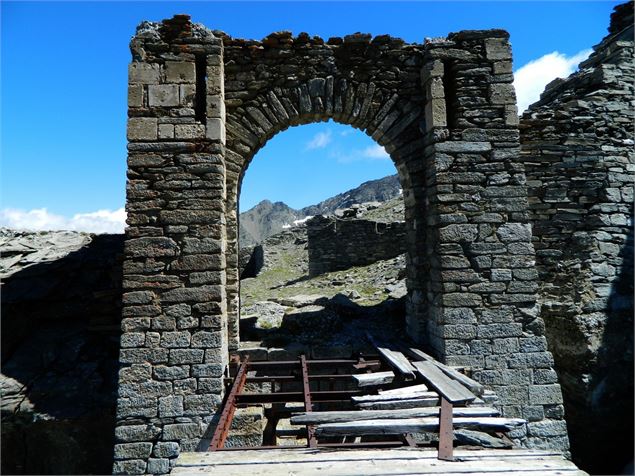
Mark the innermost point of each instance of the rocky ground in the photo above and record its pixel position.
(284, 306)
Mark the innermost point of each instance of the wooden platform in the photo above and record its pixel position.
(366, 462)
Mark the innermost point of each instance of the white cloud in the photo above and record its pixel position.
(375, 152)
(372, 152)
(530, 80)
(101, 221)
(320, 140)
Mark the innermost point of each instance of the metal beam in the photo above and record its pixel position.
(308, 407)
(226, 417)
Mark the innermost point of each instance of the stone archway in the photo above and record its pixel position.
(201, 105)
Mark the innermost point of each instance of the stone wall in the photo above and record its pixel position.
(61, 315)
(335, 244)
(577, 144)
(201, 104)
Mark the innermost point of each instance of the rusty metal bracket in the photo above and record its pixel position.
(308, 407)
(446, 433)
(226, 417)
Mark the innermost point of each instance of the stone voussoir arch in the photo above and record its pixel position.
(393, 122)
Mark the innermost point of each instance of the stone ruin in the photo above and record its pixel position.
(340, 243)
(518, 234)
(201, 104)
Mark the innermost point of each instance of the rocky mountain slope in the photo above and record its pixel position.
(267, 218)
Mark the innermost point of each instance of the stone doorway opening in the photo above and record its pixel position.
(314, 279)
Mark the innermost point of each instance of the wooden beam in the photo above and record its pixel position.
(404, 390)
(403, 396)
(316, 418)
(375, 378)
(452, 390)
(463, 379)
(414, 425)
(399, 404)
(399, 362)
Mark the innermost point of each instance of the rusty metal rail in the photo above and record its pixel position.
(308, 407)
(226, 417)
(303, 377)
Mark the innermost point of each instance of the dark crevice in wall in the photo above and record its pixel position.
(449, 92)
(200, 101)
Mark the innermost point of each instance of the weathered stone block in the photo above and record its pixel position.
(180, 72)
(136, 406)
(144, 73)
(458, 233)
(142, 128)
(133, 339)
(158, 466)
(189, 131)
(458, 331)
(135, 95)
(132, 450)
(133, 466)
(175, 339)
(162, 372)
(492, 331)
(547, 428)
(181, 431)
(171, 406)
(497, 49)
(166, 449)
(163, 95)
(198, 294)
(201, 404)
(186, 356)
(461, 299)
(207, 370)
(206, 339)
(505, 345)
(216, 129)
(545, 394)
(166, 131)
(127, 433)
(510, 232)
(141, 356)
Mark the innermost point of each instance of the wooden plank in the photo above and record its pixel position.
(307, 454)
(403, 396)
(399, 362)
(398, 404)
(453, 391)
(472, 385)
(369, 469)
(375, 378)
(414, 425)
(405, 390)
(399, 461)
(316, 418)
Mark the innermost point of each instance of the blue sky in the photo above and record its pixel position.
(63, 91)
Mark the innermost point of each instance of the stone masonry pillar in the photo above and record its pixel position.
(481, 309)
(174, 326)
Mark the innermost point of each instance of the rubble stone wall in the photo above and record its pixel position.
(201, 104)
(335, 244)
(577, 143)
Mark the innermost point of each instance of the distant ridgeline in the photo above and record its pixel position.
(267, 218)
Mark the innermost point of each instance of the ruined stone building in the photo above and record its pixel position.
(201, 104)
(518, 232)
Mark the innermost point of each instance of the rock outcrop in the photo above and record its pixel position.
(61, 312)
